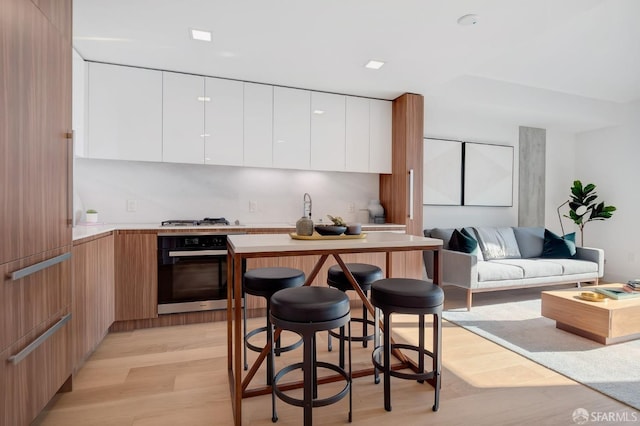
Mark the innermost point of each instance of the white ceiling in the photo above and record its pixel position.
(568, 64)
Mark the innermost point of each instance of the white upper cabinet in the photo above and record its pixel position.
(291, 128)
(183, 118)
(380, 126)
(79, 105)
(125, 113)
(327, 131)
(258, 125)
(357, 135)
(223, 122)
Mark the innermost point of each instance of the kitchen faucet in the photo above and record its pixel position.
(306, 205)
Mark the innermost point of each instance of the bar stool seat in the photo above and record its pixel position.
(306, 310)
(365, 275)
(264, 282)
(408, 296)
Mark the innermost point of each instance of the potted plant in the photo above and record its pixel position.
(92, 216)
(584, 208)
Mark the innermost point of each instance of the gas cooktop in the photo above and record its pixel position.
(196, 222)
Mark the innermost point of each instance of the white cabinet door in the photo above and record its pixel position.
(223, 123)
(182, 118)
(258, 125)
(291, 128)
(79, 105)
(357, 135)
(327, 131)
(380, 136)
(125, 113)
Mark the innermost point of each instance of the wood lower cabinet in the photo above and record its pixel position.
(136, 279)
(28, 384)
(93, 295)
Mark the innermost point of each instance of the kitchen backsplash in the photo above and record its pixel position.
(161, 191)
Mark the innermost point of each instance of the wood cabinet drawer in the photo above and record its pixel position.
(29, 301)
(27, 385)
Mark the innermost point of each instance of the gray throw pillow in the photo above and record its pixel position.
(497, 243)
(530, 241)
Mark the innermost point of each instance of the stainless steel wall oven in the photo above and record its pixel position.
(192, 272)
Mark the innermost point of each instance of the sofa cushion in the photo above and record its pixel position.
(462, 241)
(443, 234)
(574, 266)
(556, 247)
(497, 243)
(530, 240)
(492, 271)
(533, 268)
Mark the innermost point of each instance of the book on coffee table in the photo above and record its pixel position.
(616, 293)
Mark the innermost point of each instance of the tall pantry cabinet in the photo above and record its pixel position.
(35, 152)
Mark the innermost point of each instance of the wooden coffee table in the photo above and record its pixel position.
(606, 322)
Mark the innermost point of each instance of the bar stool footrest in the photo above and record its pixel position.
(316, 402)
(377, 352)
(356, 338)
(260, 348)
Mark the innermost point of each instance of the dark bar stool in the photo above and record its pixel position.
(408, 296)
(307, 310)
(264, 282)
(365, 275)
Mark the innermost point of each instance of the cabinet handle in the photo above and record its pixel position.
(198, 253)
(411, 194)
(70, 138)
(14, 359)
(24, 272)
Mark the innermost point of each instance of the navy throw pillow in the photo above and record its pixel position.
(557, 247)
(463, 242)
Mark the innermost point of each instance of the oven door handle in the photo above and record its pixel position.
(198, 253)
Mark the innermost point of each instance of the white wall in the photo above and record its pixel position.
(560, 172)
(456, 124)
(165, 191)
(608, 158)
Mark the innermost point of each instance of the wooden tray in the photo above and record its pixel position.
(317, 236)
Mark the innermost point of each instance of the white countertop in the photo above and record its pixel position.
(256, 243)
(84, 230)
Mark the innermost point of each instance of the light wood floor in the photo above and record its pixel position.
(177, 376)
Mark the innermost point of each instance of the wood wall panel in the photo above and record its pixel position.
(136, 278)
(59, 13)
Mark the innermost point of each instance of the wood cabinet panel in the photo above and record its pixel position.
(29, 301)
(136, 276)
(93, 295)
(59, 14)
(35, 117)
(27, 386)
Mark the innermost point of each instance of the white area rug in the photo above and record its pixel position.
(613, 370)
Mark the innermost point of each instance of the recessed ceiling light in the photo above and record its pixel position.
(204, 98)
(318, 111)
(470, 19)
(202, 35)
(374, 65)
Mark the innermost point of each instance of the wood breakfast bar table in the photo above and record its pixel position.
(241, 247)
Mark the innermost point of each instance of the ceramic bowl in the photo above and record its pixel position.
(330, 229)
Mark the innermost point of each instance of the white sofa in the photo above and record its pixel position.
(523, 267)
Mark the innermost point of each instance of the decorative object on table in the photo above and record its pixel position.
(316, 236)
(617, 293)
(592, 297)
(354, 229)
(304, 225)
(330, 229)
(92, 216)
(584, 208)
(376, 212)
